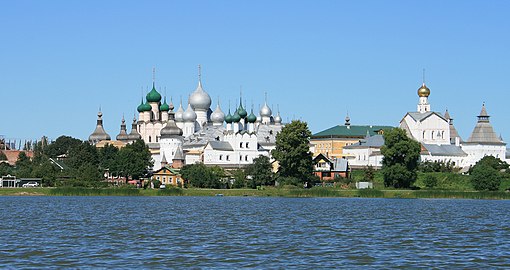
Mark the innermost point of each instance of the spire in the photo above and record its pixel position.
(347, 120)
(483, 131)
(199, 74)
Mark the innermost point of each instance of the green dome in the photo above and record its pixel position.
(153, 95)
(146, 107)
(140, 107)
(236, 117)
(228, 118)
(242, 112)
(164, 107)
(252, 118)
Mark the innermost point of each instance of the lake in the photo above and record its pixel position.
(252, 232)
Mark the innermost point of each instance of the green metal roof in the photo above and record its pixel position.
(349, 131)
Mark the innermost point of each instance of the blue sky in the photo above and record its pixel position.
(317, 60)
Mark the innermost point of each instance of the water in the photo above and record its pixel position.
(244, 232)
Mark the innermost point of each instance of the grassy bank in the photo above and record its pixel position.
(266, 192)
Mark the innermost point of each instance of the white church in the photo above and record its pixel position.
(438, 137)
(198, 134)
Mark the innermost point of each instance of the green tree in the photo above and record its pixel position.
(83, 153)
(88, 175)
(239, 176)
(23, 165)
(62, 145)
(400, 162)
(260, 172)
(6, 169)
(293, 152)
(200, 176)
(430, 181)
(134, 160)
(485, 177)
(493, 162)
(108, 158)
(369, 174)
(2, 156)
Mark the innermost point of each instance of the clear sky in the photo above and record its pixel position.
(317, 60)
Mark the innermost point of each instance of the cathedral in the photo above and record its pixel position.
(195, 133)
(438, 138)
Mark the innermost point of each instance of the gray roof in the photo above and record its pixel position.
(208, 133)
(340, 165)
(444, 150)
(179, 154)
(372, 141)
(99, 134)
(418, 117)
(483, 132)
(266, 134)
(223, 146)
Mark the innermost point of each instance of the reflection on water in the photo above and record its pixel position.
(226, 232)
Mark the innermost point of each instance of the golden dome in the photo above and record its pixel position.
(423, 91)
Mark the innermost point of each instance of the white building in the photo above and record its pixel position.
(199, 134)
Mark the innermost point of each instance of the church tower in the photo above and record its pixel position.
(424, 93)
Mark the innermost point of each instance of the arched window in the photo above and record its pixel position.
(241, 145)
(150, 138)
(247, 145)
(221, 157)
(245, 158)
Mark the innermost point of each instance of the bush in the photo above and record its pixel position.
(484, 177)
(430, 181)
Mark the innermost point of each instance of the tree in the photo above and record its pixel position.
(400, 162)
(239, 176)
(200, 176)
(83, 153)
(23, 165)
(108, 158)
(2, 156)
(134, 160)
(430, 181)
(62, 145)
(293, 152)
(485, 177)
(493, 162)
(260, 172)
(368, 174)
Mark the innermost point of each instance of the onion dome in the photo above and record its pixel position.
(134, 135)
(199, 99)
(123, 136)
(189, 115)
(141, 107)
(241, 111)
(218, 116)
(153, 95)
(164, 107)
(252, 118)
(278, 119)
(171, 130)
(179, 113)
(147, 107)
(423, 91)
(99, 134)
(236, 117)
(265, 111)
(228, 118)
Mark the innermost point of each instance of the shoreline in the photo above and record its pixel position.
(266, 192)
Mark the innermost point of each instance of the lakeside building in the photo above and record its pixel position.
(332, 141)
(438, 137)
(197, 133)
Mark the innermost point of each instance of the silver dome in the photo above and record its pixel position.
(99, 134)
(278, 119)
(179, 113)
(189, 115)
(199, 99)
(123, 136)
(218, 116)
(134, 135)
(171, 130)
(265, 111)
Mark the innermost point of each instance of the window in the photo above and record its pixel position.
(221, 157)
(241, 144)
(245, 158)
(150, 138)
(247, 145)
(228, 157)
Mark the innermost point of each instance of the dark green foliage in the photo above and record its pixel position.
(88, 175)
(62, 145)
(239, 178)
(485, 177)
(6, 169)
(108, 158)
(430, 181)
(260, 172)
(290, 181)
(133, 160)
(435, 166)
(493, 162)
(171, 191)
(200, 176)
(293, 152)
(83, 153)
(2, 156)
(23, 166)
(400, 162)
(369, 174)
